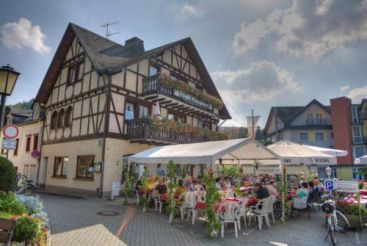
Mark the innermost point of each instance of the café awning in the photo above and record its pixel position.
(294, 154)
(208, 153)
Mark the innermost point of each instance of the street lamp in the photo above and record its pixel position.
(8, 78)
(328, 171)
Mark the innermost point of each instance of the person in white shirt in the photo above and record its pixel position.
(272, 189)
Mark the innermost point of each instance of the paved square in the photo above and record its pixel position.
(75, 222)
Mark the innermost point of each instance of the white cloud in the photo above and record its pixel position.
(22, 35)
(307, 28)
(345, 88)
(261, 82)
(190, 10)
(358, 93)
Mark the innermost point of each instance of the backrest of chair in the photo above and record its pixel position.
(190, 199)
(230, 211)
(265, 205)
(243, 205)
(229, 193)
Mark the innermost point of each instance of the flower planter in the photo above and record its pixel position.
(354, 221)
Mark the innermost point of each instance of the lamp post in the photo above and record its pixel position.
(8, 78)
(328, 171)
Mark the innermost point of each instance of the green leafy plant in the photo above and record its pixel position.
(8, 180)
(27, 230)
(127, 187)
(171, 186)
(144, 198)
(9, 204)
(212, 196)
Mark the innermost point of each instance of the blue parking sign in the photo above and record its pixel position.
(329, 185)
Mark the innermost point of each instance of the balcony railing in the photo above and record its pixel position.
(154, 85)
(317, 122)
(141, 130)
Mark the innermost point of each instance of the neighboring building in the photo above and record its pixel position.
(343, 125)
(350, 132)
(98, 95)
(310, 124)
(28, 140)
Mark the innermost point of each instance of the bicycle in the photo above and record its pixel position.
(340, 222)
(25, 185)
(328, 207)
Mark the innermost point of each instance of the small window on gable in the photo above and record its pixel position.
(68, 116)
(60, 120)
(53, 123)
(75, 72)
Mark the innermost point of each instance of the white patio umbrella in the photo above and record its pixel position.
(329, 151)
(294, 154)
(361, 160)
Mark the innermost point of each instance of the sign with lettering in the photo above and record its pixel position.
(348, 186)
(9, 143)
(115, 188)
(36, 154)
(329, 184)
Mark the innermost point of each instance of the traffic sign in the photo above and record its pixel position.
(9, 143)
(10, 131)
(36, 154)
(329, 184)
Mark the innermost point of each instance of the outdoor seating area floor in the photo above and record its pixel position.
(74, 222)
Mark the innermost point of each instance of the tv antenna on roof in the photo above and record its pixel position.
(107, 25)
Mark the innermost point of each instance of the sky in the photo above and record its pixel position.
(259, 53)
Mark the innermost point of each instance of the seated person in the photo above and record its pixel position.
(181, 189)
(161, 188)
(227, 183)
(314, 193)
(260, 191)
(300, 200)
(218, 183)
(189, 184)
(272, 189)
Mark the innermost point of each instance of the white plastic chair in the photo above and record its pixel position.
(200, 191)
(242, 212)
(229, 193)
(230, 215)
(261, 211)
(189, 204)
(271, 207)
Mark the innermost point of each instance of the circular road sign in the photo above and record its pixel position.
(10, 131)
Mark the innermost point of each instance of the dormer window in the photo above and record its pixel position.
(75, 72)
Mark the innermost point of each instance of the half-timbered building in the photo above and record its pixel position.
(103, 101)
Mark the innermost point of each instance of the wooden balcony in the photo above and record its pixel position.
(154, 90)
(142, 131)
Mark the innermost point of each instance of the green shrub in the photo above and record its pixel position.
(9, 204)
(8, 179)
(5, 215)
(26, 230)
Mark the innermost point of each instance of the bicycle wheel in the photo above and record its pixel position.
(342, 223)
(331, 231)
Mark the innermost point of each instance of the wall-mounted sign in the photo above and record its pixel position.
(36, 154)
(10, 131)
(348, 186)
(9, 143)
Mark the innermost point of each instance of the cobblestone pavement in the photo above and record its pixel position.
(76, 222)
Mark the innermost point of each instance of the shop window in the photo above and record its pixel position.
(85, 167)
(61, 166)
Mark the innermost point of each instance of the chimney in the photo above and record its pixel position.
(135, 44)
